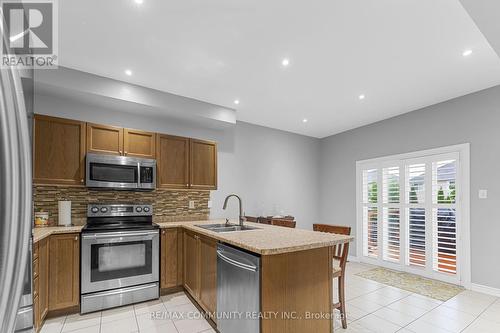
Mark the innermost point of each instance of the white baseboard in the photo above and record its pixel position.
(484, 289)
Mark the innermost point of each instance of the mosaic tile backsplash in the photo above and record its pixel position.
(168, 205)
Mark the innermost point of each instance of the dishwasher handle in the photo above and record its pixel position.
(236, 263)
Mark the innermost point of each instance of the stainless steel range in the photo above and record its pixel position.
(120, 256)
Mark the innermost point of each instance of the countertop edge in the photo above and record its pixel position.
(41, 233)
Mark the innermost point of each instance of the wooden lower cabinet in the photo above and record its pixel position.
(208, 273)
(43, 277)
(200, 269)
(191, 264)
(64, 271)
(171, 258)
(37, 324)
(40, 282)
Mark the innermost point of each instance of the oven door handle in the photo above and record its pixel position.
(119, 234)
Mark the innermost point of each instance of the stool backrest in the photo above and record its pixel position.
(340, 251)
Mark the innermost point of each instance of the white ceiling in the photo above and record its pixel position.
(403, 55)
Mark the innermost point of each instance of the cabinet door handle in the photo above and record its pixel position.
(121, 153)
(163, 232)
(125, 153)
(81, 181)
(76, 238)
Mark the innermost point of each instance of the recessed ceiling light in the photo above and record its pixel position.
(285, 62)
(467, 53)
(361, 97)
(236, 101)
(139, 2)
(128, 72)
(304, 120)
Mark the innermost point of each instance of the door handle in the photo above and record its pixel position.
(236, 263)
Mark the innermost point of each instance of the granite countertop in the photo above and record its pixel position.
(40, 233)
(266, 240)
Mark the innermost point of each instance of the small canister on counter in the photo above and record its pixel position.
(41, 219)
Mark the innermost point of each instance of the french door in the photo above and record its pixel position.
(409, 214)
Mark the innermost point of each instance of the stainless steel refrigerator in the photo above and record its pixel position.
(16, 109)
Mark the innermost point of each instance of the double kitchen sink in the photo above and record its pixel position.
(224, 227)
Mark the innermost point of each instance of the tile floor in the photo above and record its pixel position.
(372, 307)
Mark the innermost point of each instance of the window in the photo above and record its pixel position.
(409, 212)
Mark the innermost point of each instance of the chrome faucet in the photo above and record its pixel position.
(242, 218)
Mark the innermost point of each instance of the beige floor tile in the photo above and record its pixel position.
(165, 327)
(192, 325)
(185, 311)
(123, 325)
(377, 324)
(483, 326)
(118, 313)
(175, 299)
(354, 313)
(53, 325)
(147, 321)
(448, 319)
(91, 329)
(77, 321)
(148, 307)
(363, 304)
(422, 302)
(492, 313)
(407, 308)
(395, 317)
(421, 326)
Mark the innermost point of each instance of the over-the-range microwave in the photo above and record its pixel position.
(120, 172)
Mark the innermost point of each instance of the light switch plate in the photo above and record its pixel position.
(191, 204)
(209, 204)
(483, 194)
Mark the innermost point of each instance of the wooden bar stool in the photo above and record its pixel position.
(340, 253)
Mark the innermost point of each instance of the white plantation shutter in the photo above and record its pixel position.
(370, 213)
(444, 213)
(391, 216)
(415, 214)
(410, 214)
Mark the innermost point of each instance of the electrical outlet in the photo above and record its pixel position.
(483, 194)
(209, 204)
(191, 204)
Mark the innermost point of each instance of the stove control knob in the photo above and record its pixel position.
(146, 209)
(138, 209)
(94, 209)
(104, 209)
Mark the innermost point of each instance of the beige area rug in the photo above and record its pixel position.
(416, 284)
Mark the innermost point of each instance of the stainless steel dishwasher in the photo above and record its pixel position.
(238, 290)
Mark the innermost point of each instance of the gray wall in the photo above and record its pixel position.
(473, 118)
(274, 171)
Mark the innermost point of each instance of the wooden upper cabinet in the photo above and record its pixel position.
(172, 157)
(139, 143)
(64, 271)
(203, 164)
(104, 139)
(208, 273)
(113, 140)
(58, 151)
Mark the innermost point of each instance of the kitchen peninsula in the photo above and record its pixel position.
(295, 270)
